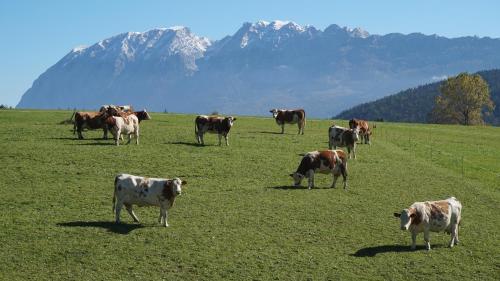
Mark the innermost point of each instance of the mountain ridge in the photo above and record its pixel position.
(262, 65)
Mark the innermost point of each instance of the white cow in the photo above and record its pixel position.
(134, 190)
(126, 125)
(435, 216)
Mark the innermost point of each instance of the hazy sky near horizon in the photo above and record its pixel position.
(36, 34)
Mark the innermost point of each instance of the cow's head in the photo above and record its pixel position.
(355, 134)
(230, 120)
(297, 178)
(145, 115)
(406, 217)
(174, 187)
(274, 111)
(353, 123)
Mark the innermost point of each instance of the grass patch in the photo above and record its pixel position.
(238, 218)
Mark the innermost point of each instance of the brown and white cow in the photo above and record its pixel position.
(343, 137)
(364, 129)
(326, 161)
(126, 125)
(124, 108)
(213, 124)
(295, 116)
(90, 120)
(134, 190)
(435, 216)
(142, 115)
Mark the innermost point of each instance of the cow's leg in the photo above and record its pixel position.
(343, 171)
(105, 133)
(202, 140)
(117, 137)
(220, 139)
(456, 233)
(454, 236)
(349, 151)
(330, 144)
(163, 213)
(118, 209)
(413, 240)
(283, 128)
(129, 138)
(226, 137)
(427, 238)
(335, 177)
(354, 150)
(310, 179)
(131, 212)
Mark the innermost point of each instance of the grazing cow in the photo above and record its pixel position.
(340, 136)
(326, 161)
(127, 125)
(364, 130)
(296, 116)
(90, 120)
(213, 124)
(133, 190)
(432, 216)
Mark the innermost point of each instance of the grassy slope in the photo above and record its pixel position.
(238, 219)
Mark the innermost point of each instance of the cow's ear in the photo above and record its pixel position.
(397, 215)
(291, 175)
(234, 118)
(184, 182)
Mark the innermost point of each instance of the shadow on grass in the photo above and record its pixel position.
(122, 228)
(271, 133)
(283, 187)
(187, 143)
(100, 143)
(373, 251)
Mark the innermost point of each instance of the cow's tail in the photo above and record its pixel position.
(303, 120)
(114, 193)
(74, 122)
(196, 128)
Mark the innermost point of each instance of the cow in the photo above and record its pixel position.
(295, 116)
(432, 216)
(364, 129)
(90, 120)
(213, 124)
(134, 190)
(326, 161)
(127, 125)
(142, 115)
(124, 108)
(343, 137)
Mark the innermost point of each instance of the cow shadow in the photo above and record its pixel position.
(121, 228)
(271, 133)
(101, 143)
(187, 143)
(373, 251)
(286, 187)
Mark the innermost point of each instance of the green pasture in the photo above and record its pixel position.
(239, 218)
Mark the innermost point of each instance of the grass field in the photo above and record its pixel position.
(238, 218)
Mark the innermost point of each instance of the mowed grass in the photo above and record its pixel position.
(239, 218)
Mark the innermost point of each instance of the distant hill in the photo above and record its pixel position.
(261, 66)
(414, 105)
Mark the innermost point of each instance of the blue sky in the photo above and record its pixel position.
(36, 34)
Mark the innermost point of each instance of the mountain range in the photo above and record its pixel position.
(415, 105)
(263, 65)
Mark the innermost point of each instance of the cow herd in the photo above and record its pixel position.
(129, 190)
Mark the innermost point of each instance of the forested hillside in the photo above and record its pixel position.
(415, 104)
